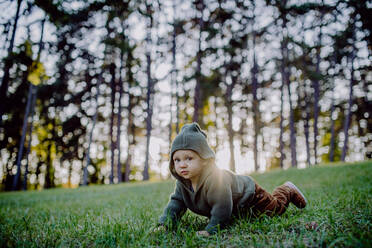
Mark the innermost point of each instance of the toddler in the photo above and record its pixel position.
(215, 193)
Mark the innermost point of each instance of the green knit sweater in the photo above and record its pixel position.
(219, 195)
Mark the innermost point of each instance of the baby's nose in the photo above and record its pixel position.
(183, 164)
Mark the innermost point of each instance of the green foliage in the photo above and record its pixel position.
(326, 141)
(37, 73)
(122, 215)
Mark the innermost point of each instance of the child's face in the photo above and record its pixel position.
(188, 164)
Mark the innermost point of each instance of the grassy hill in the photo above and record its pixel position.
(339, 214)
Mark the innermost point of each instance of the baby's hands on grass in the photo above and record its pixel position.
(203, 233)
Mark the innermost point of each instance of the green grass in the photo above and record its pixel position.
(340, 202)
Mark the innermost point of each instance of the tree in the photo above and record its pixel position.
(36, 74)
(8, 63)
(255, 86)
(174, 81)
(286, 80)
(113, 87)
(283, 10)
(199, 4)
(150, 89)
(87, 153)
(130, 64)
(352, 82)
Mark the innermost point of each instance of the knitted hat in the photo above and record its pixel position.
(193, 138)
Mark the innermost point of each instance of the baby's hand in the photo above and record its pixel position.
(158, 229)
(203, 233)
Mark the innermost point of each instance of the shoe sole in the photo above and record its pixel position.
(291, 185)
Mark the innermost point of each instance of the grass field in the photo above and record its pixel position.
(339, 214)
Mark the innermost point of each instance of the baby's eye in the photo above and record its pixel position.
(189, 158)
(176, 160)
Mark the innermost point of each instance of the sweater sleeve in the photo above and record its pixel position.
(175, 208)
(220, 199)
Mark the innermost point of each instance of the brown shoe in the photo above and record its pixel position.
(297, 198)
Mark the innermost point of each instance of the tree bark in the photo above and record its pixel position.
(285, 79)
(21, 143)
(306, 111)
(119, 173)
(149, 97)
(87, 154)
(229, 126)
(130, 126)
(49, 176)
(292, 128)
(34, 96)
(281, 143)
(173, 82)
(317, 93)
(215, 106)
(333, 137)
(197, 92)
(113, 93)
(130, 135)
(350, 101)
(228, 104)
(256, 122)
(8, 64)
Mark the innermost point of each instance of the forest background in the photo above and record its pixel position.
(92, 92)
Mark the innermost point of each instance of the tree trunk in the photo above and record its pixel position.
(215, 105)
(243, 130)
(316, 93)
(285, 78)
(8, 64)
(38, 171)
(177, 84)
(130, 135)
(21, 143)
(87, 154)
(119, 173)
(229, 127)
(113, 93)
(229, 103)
(130, 127)
(281, 143)
(333, 137)
(34, 96)
(197, 91)
(306, 111)
(256, 123)
(292, 128)
(149, 97)
(170, 126)
(306, 102)
(174, 81)
(350, 102)
(49, 176)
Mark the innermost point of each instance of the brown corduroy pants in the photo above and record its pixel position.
(270, 204)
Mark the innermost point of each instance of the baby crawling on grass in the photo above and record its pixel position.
(215, 193)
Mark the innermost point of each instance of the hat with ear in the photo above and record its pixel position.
(193, 138)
